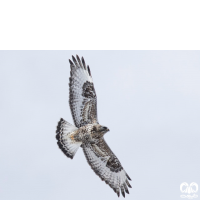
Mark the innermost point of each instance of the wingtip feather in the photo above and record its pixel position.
(123, 193)
(126, 189)
(83, 62)
(129, 185)
(118, 194)
(89, 70)
(74, 59)
(77, 57)
(71, 63)
(79, 61)
(128, 176)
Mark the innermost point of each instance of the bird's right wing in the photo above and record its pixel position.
(82, 95)
(107, 166)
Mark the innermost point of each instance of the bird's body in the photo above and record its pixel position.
(87, 132)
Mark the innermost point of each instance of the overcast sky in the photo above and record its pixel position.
(150, 101)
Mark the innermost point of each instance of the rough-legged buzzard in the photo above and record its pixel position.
(87, 132)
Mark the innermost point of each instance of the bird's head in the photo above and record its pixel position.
(100, 129)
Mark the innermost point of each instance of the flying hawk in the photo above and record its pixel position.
(87, 132)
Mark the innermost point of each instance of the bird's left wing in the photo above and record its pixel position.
(82, 95)
(107, 166)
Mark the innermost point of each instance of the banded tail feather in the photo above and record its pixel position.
(65, 135)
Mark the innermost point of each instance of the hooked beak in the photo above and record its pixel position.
(105, 129)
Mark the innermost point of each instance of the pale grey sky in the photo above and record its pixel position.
(150, 101)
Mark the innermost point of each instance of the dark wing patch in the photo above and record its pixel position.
(82, 96)
(88, 90)
(113, 163)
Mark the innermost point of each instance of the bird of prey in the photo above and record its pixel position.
(87, 132)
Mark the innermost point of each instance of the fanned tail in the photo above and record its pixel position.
(65, 136)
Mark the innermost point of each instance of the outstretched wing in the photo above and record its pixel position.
(106, 165)
(82, 95)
